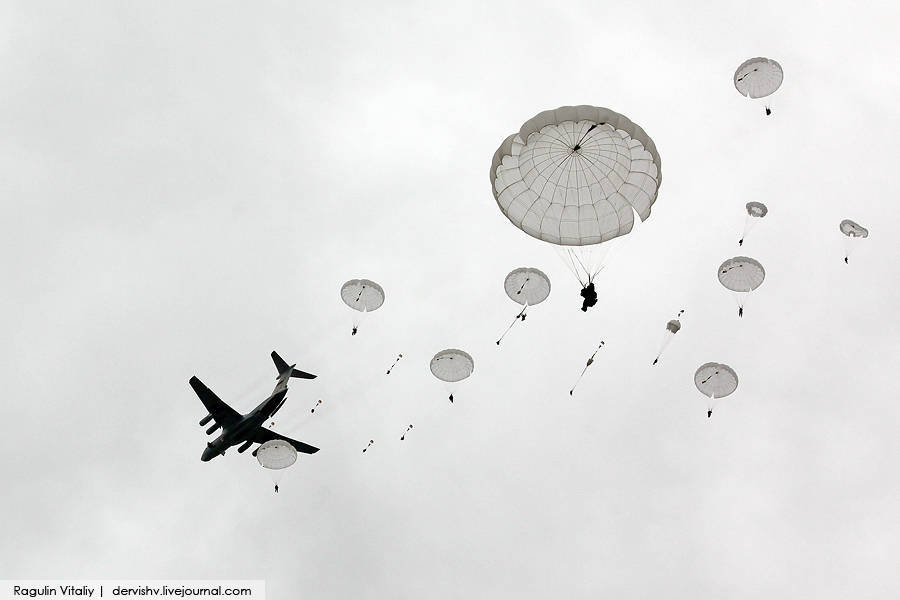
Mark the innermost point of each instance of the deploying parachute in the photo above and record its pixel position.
(672, 327)
(574, 177)
(361, 295)
(528, 287)
(715, 381)
(758, 78)
(755, 210)
(452, 366)
(589, 362)
(741, 275)
(853, 231)
(276, 455)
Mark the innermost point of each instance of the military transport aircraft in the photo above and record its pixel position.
(238, 428)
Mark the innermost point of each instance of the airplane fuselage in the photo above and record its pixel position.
(242, 431)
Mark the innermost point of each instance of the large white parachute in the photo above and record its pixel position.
(363, 296)
(758, 77)
(452, 366)
(741, 275)
(574, 177)
(527, 286)
(276, 454)
(715, 381)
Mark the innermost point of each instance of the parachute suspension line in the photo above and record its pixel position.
(590, 361)
(396, 360)
(403, 437)
(518, 317)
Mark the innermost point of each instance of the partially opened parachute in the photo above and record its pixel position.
(672, 327)
(276, 455)
(854, 232)
(452, 366)
(574, 177)
(715, 381)
(853, 229)
(756, 209)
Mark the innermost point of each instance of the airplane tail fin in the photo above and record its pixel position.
(283, 366)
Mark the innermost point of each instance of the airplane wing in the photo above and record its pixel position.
(262, 435)
(223, 414)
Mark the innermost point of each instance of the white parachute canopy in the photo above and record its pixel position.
(758, 78)
(853, 229)
(715, 381)
(362, 295)
(277, 456)
(452, 366)
(854, 232)
(755, 211)
(742, 275)
(527, 286)
(574, 177)
(672, 327)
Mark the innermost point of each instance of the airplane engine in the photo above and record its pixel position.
(212, 429)
(205, 419)
(243, 447)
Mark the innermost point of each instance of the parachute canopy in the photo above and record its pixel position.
(362, 295)
(852, 229)
(757, 209)
(674, 325)
(527, 286)
(758, 77)
(715, 380)
(452, 365)
(741, 274)
(276, 454)
(574, 176)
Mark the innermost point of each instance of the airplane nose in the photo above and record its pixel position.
(207, 455)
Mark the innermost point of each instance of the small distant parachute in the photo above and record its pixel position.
(363, 296)
(854, 231)
(574, 177)
(672, 327)
(276, 455)
(589, 362)
(755, 211)
(452, 366)
(526, 286)
(758, 78)
(715, 381)
(741, 275)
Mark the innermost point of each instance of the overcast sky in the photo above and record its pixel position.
(186, 186)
